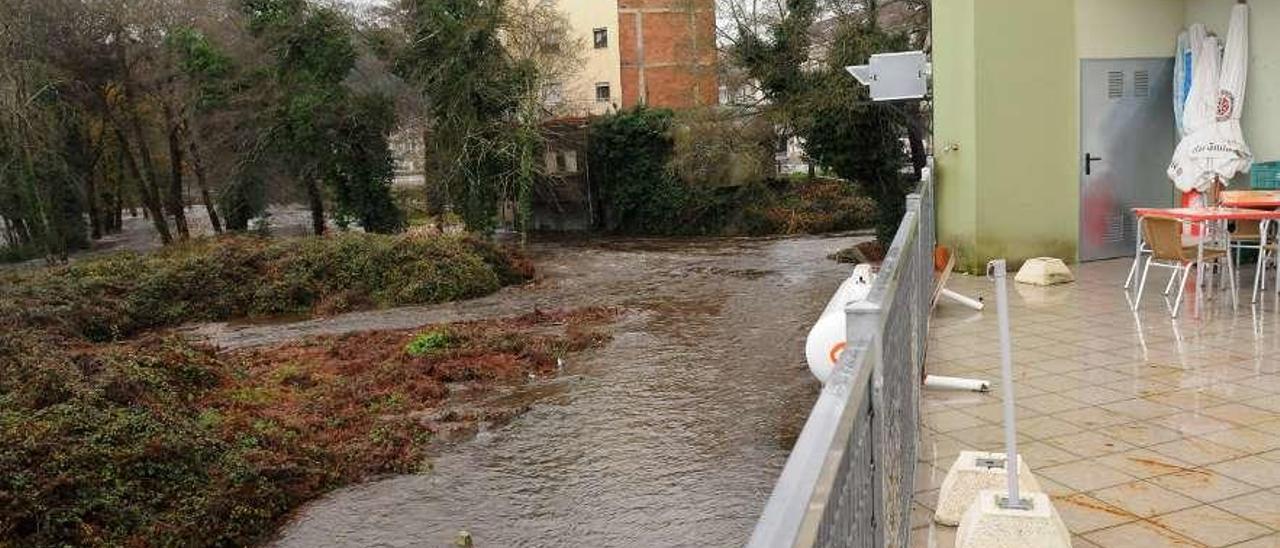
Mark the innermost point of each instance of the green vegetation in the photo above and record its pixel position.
(255, 98)
(111, 434)
(813, 98)
(164, 443)
(633, 154)
(428, 342)
(230, 277)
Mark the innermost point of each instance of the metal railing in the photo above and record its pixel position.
(849, 479)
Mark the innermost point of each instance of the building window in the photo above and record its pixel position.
(570, 161)
(561, 161)
(601, 38)
(602, 92)
(550, 158)
(553, 94)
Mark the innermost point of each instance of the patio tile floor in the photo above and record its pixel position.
(1144, 430)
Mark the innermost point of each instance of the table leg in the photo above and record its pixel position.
(1204, 234)
(1277, 258)
(1263, 226)
(1137, 257)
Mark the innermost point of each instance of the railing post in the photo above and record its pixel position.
(864, 323)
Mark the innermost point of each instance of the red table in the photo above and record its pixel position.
(1215, 214)
(1257, 199)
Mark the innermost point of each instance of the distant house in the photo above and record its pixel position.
(660, 53)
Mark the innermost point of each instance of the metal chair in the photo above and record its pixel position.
(1164, 237)
(1140, 250)
(1248, 235)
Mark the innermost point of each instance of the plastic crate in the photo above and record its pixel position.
(1265, 175)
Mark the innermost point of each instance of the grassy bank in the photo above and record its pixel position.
(778, 207)
(233, 277)
(162, 442)
(114, 433)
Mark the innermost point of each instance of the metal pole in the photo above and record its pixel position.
(996, 269)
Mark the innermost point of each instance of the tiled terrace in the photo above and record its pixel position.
(1145, 431)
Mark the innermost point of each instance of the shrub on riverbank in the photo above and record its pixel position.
(243, 276)
(647, 188)
(160, 442)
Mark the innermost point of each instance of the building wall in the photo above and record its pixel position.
(1007, 136)
(1029, 195)
(1262, 95)
(598, 65)
(1115, 29)
(955, 133)
(1006, 84)
(667, 52)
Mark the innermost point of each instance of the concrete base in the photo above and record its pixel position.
(987, 525)
(1044, 271)
(968, 475)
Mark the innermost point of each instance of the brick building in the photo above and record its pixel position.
(668, 52)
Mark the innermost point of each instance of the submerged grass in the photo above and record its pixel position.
(160, 441)
(113, 434)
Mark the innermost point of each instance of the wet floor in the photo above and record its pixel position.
(1144, 430)
(671, 435)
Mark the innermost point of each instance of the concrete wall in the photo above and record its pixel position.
(598, 65)
(1127, 28)
(668, 52)
(955, 134)
(1001, 147)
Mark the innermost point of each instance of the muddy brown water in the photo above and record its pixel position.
(670, 435)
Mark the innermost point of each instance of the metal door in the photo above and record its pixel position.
(1126, 142)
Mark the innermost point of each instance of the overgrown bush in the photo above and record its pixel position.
(230, 277)
(721, 147)
(799, 207)
(629, 155)
(635, 165)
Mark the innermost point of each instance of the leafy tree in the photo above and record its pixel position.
(813, 98)
(482, 67)
(630, 153)
(456, 57)
(317, 123)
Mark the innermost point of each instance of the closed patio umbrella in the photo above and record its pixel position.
(1214, 149)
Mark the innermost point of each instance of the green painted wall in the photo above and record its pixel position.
(1006, 132)
(955, 133)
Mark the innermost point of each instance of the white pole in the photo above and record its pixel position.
(962, 299)
(997, 269)
(956, 383)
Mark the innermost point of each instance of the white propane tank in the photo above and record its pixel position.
(827, 337)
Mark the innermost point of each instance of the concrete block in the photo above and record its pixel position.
(988, 525)
(1044, 271)
(972, 472)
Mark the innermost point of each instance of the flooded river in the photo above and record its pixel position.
(670, 435)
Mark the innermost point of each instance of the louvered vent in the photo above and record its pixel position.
(1115, 84)
(1141, 84)
(1115, 230)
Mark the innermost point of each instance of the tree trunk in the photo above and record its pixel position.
(197, 165)
(915, 137)
(177, 202)
(117, 210)
(91, 201)
(142, 168)
(317, 205)
(150, 197)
